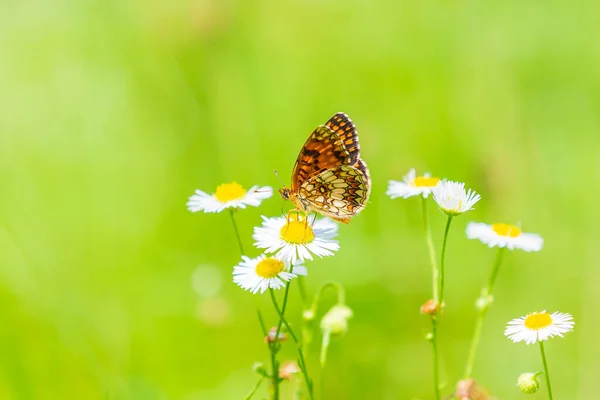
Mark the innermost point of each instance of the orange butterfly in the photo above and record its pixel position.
(329, 176)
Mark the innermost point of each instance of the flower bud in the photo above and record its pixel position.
(270, 338)
(430, 307)
(336, 319)
(469, 389)
(484, 302)
(287, 369)
(259, 368)
(528, 382)
(308, 315)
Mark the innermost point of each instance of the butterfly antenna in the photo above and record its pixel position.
(278, 177)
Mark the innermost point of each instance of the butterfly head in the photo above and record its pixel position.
(285, 193)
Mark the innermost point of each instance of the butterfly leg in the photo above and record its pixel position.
(289, 219)
(306, 218)
(314, 220)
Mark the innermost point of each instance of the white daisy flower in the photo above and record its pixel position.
(226, 196)
(504, 235)
(539, 326)
(260, 273)
(453, 199)
(296, 239)
(412, 185)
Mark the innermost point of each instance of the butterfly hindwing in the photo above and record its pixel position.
(338, 193)
(362, 167)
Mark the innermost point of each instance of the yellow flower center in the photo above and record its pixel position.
(269, 267)
(537, 321)
(229, 191)
(425, 181)
(506, 230)
(297, 231)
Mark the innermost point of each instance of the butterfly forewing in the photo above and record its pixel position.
(321, 151)
(341, 124)
(338, 193)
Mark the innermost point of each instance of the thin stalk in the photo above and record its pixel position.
(434, 346)
(307, 324)
(263, 327)
(431, 248)
(435, 276)
(442, 264)
(483, 308)
(282, 320)
(275, 344)
(254, 389)
(307, 334)
(237, 232)
(341, 294)
(546, 370)
(495, 270)
(324, 347)
(434, 318)
(303, 295)
(474, 344)
(274, 369)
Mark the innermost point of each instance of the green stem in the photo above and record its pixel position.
(302, 286)
(435, 280)
(283, 321)
(442, 265)
(483, 308)
(431, 248)
(434, 318)
(275, 343)
(324, 347)
(274, 370)
(254, 389)
(341, 294)
(495, 269)
(237, 232)
(474, 344)
(307, 325)
(262, 323)
(434, 346)
(546, 369)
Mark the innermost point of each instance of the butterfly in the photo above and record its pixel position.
(329, 176)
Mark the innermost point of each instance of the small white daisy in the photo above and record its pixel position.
(504, 235)
(412, 185)
(296, 239)
(539, 326)
(226, 196)
(453, 199)
(260, 273)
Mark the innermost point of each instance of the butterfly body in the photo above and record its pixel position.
(329, 176)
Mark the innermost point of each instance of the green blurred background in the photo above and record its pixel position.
(112, 113)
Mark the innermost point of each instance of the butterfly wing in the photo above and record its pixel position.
(323, 150)
(338, 193)
(362, 167)
(341, 124)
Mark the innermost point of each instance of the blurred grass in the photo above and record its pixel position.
(112, 113)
